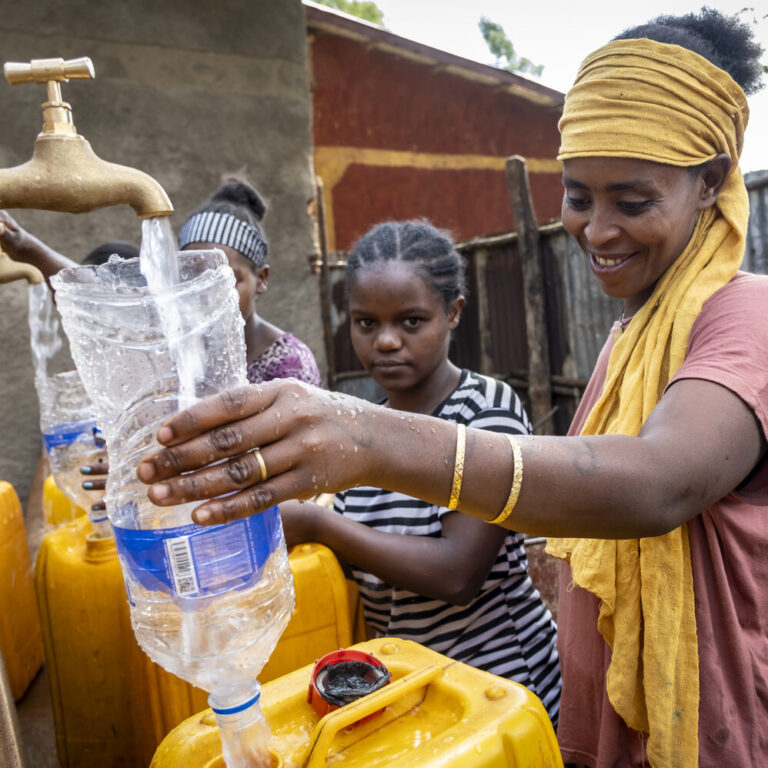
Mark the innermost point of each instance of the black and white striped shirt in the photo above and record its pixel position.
(506, 629)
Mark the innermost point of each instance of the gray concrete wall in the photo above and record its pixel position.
(185, 90)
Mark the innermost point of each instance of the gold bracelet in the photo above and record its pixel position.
(458, 466)
(516, 482)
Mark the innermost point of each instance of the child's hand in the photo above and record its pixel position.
(300, 521)
(22, 246)
(14, 239)
(97, 481)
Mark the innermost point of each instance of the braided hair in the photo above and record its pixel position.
(238, 198)
(416, 242)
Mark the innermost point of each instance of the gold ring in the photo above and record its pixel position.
(262, 466)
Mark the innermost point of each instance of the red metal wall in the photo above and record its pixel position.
(428, 143)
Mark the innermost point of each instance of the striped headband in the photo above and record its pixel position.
(225, 229)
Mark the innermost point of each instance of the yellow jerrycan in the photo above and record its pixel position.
(84, 615)
(112, 705)
(57, 508)
(20, 640)
(109, 700)
(435, 712)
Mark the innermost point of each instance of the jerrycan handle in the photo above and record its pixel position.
(326, 730)
(57, 114)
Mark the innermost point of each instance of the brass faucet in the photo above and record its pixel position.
(11, 270)
(64, 173)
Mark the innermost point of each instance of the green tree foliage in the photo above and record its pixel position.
(751, 16)
(363, 9)
(504, 51)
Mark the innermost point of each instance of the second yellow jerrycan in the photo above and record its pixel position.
(20, 640)
(111, 703)
(84, 615)
(57, 508)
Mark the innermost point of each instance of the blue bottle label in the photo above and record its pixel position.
(196, 560)
(66, 434)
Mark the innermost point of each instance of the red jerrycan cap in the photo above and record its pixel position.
(341, 677)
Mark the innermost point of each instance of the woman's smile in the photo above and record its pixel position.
(608, 262)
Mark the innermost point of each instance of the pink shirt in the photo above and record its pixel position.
(729, 552)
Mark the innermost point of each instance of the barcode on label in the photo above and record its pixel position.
(183, 571)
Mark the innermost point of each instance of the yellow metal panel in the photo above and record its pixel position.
(332, 162)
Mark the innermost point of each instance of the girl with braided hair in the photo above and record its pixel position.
(426, 572)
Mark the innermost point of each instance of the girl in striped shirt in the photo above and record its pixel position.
(427, 573)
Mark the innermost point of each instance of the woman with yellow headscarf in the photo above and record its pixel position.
(661, 487)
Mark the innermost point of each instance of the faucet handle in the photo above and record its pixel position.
(57, 114)
(48, 70)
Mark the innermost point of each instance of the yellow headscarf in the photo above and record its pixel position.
(658, 102)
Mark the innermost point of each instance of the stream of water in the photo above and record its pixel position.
(160, 266)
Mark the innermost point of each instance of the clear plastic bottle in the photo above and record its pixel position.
(245, 735)
(207, 603)
(67, 417)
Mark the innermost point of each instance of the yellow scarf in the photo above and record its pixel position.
(658, 102)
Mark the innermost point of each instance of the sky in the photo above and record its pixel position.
(560, 34)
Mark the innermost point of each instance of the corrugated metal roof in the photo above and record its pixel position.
(325, 19)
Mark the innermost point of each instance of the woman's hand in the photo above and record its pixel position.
(310, 440)
(604, 486)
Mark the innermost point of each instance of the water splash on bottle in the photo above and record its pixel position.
(67, 416)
